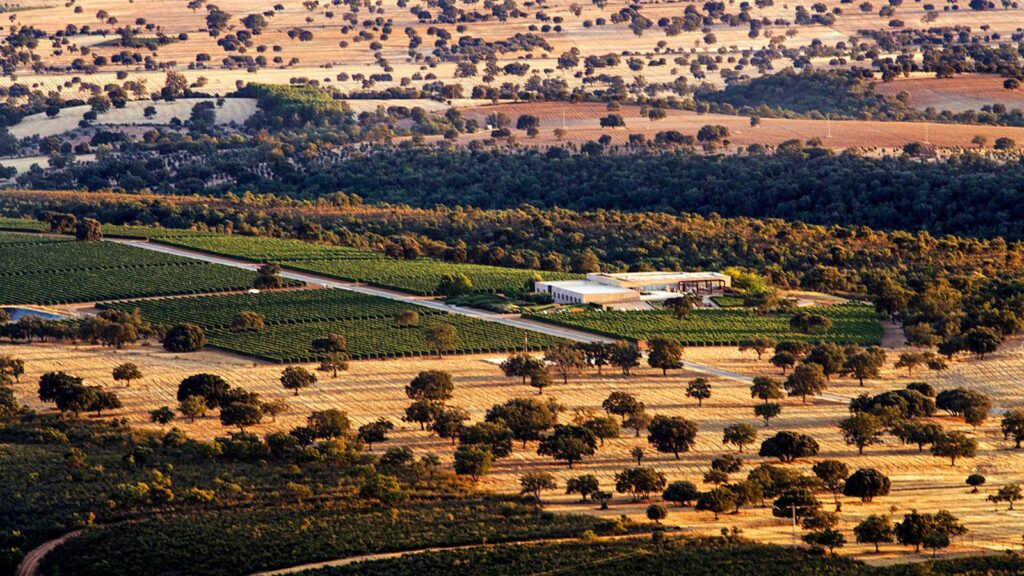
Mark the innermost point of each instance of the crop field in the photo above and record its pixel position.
(90, 271)
(375, 389)
(288, 307)
(22, 224)
(581, 122)
(964, 92)
(852, 324)
(377, 337)
(419, 276)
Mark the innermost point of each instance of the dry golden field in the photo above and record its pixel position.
(965, 92)
(323, 57)
(372, 389)
(582, 123)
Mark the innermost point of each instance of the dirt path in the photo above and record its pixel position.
(390, 555)
(30, 563)
(892, 335)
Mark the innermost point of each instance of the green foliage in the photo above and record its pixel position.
(424, 276)
(243, 541)
(852, 324)
(104, 270)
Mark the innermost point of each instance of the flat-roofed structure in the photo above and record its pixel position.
(586, 292)
(602, 288)
(699, 283)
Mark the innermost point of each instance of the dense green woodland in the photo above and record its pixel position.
(964, 195)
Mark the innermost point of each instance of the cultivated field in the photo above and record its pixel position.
(581, 123)
(372, 389)
(42, 271)
(957, 94)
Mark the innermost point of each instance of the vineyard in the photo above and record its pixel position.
(90, 271)
(852, 324)
(289, 307)
(699, 556)
(242, 541)
(418, 276)
(377, 338)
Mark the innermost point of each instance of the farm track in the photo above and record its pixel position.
(514, 321)
(30, 563)
(391, 555)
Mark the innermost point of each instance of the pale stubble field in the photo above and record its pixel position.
(373, 389)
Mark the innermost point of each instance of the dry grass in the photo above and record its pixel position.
(967, 92)
(374, 389)
(582, 123)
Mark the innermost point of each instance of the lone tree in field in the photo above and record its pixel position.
(639, 482)
(583, 485)
(680, 306)
(954, 445)
(810, 323)
(184, 337)
(867, 483)
(211, 388)
(1009, 493)
(739, 435)
(495, 436)
(568, 443)
(540, 379)
(759, 345)
(1012, 426)
(656, 512)
(454, 285)
(666, 354)
(975, 481)
(910, 361)
(333, 353)
(604, 427)
(473, 460)
(248, 321)
(407, 319)
(442, 338)
(533, 483)
(681, 492)
(767, 389)
(826, 538)
(241, 408)
(874, 529)
(832, 474)
(865, 365)
(767, 411)
(10, 367)
(699, 388)
(374, 432)
(521, 366)
(783, 360)
(622, 404)
(928, 530)
(566, 361)
(275, 408)
(788, 446)
(128, 371)
(638, 422)
(193, 407)
(862, 429)
(717, 501)
(806, 379)
(431, 385)
(527, 418)
(268, 276)
(449, 422)
(297, 377)
(162, 416)
(913, 432)
(624, 356)
(672, 435)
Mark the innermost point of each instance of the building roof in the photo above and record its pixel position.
(657, 276)
(586, 287)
